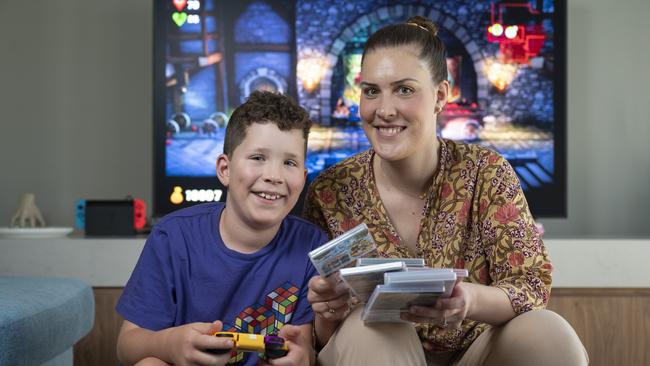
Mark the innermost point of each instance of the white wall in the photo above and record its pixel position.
(75, 103)
(76, 114)
(608, 120)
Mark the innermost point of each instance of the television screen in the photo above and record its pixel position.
(507, 72)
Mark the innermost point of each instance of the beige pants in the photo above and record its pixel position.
(533, 338)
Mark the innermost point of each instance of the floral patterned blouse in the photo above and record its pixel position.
(475, 217)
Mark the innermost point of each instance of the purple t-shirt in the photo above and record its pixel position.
(186, 274)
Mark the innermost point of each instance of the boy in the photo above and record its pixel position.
(240, 267)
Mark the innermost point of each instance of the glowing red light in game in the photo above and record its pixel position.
(517, 42)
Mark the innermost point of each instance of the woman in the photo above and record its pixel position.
(456, 205)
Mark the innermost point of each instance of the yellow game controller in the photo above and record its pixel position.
(271, 346)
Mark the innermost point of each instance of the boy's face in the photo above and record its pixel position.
(264, 175)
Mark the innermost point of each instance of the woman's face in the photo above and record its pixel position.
(398, 102)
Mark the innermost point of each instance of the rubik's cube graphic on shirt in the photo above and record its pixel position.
(283, 301)
(277, 311)
(256, 319)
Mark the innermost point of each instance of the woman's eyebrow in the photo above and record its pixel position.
(397, 82)
(402, 81)
(365, 83)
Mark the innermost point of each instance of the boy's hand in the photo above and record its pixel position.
(187, 344)
(300, 352)
(329, 298)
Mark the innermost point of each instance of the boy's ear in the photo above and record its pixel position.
(223, 169)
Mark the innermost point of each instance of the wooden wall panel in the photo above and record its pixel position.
(99, 346)
(613, 324)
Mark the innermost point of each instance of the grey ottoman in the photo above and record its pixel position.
(42, 318)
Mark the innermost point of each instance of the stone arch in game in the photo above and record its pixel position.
(262, 78)
(395, 12)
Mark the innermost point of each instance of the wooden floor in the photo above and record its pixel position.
(613, 324)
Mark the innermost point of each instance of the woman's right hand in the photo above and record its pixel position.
(329, 298)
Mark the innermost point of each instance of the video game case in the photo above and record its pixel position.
(425, 278)
(421, 286)
(363, 280)
(342, 251)
(387, 303)
(410, 262)
(422, 275)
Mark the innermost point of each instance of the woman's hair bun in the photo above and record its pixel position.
(424, 23)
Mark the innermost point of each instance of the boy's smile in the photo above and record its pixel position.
(269, 196)
(264, 176)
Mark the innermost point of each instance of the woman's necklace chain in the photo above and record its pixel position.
(420, 196)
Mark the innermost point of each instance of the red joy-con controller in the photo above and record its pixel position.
(139, 213)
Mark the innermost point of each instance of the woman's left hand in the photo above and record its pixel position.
(447, 313)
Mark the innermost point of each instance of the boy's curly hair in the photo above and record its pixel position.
(265, 107)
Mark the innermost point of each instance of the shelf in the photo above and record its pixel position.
(103, 262)
(108, 262)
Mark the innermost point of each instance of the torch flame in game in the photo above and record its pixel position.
(499, 74)
(310, 71)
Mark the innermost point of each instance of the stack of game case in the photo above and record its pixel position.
(403, 289)
(388, 286)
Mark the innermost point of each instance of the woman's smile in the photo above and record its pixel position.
(391, 131)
